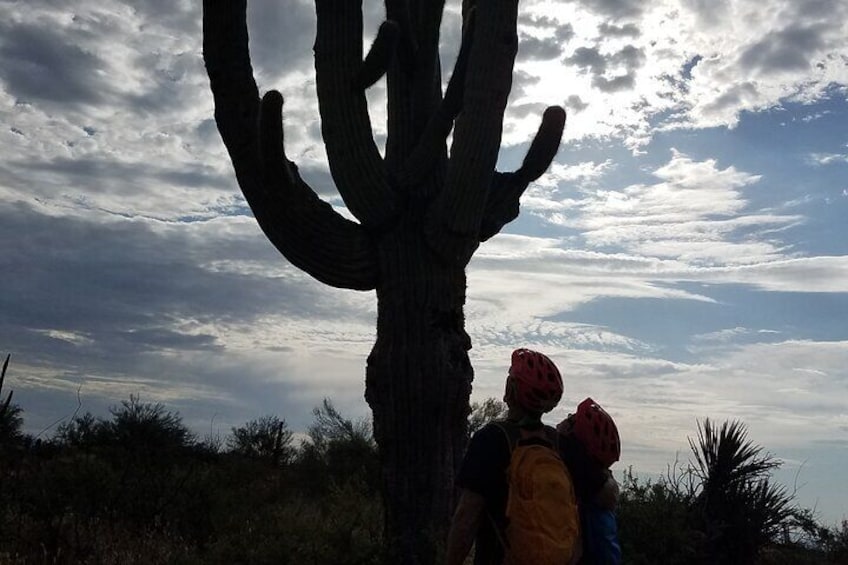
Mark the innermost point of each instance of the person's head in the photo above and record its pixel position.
(533, 385)
(596, 431)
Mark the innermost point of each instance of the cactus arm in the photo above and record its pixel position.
(507, 188)
(306, 230)
(379, 57)
(456, 215)
(432, 142)
(355, 162)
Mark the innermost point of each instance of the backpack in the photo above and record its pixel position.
(542, 525)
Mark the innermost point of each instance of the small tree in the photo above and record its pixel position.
(81, 431)
(653, 518)
(267, 438)
(343, 448)
(484, 412)
(137, 425)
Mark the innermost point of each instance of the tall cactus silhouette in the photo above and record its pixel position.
(422, 212)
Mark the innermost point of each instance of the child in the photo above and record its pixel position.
(589, 444)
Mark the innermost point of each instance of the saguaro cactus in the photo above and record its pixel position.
(421, 213)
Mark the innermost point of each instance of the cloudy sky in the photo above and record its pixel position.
(685, 257)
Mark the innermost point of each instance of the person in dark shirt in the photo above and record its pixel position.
(533, 387)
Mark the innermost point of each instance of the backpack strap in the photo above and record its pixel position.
(511, 432)
(515, 435)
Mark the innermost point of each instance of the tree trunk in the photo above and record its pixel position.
(418, 385)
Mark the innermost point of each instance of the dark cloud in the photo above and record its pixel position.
(734, 97)
(588, 58)
(118, 177)
(710, 13)
(624, 63)
(180, 15)
(524, 110)
(281, 36)
(565, 32)
(576, 104)
(109, 307)
(43, 64)
(169, 87)
(533, 49)
(124, 285)
(320, 180)
(561, 32)
(607, 29)
(791, 49)
(520, 81)
(817, 9)
(615, 9)
(629, 56)
(614, 84)
(537, 21)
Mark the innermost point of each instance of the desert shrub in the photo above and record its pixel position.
(484, 412)
(653, 517)
(267, 438)
(10, 415)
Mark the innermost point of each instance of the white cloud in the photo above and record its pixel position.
(699, 64)
(696, 213)
(828, 158)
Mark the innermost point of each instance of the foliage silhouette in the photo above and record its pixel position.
(137, 425)
(484, 412)
(267, 438)
(10, 414)
(84, 497)
(738, 509)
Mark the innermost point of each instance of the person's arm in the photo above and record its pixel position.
(575, 536)
(466, 522)
(607, 496)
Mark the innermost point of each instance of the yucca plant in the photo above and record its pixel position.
(738, 509)
(4, 405)
(10, 414)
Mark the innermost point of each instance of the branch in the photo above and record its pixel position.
(502, 206)
(398, 10)
(432, 142)
(305, 229)
(355, 161)
(380, 55)
(455, 219)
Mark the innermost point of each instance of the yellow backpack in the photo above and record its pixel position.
(542, 523)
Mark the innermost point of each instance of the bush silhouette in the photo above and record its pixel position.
(136, 488)
(267, 438)
(10, 414)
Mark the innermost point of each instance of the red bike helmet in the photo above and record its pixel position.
(596, 431)
(535, 381)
